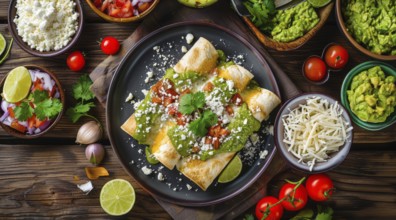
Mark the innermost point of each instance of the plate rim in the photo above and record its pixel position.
(275, 89)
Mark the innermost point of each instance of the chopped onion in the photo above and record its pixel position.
(134, 2)
(4, 106)
(45, 125)
(86, 187)
(47, 80)
(5, 115)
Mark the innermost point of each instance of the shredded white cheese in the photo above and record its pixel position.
(314, 130)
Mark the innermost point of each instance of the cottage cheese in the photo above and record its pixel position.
(46, 25)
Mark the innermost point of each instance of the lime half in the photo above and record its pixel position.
(117, 197)
(232, 170)
(319, 3)
(3, 44)
(17, 84)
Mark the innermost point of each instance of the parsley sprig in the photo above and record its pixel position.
(201, 125)
(45, 106)
(84, 97)
(191, 102)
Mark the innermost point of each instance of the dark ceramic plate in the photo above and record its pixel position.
(150, 54)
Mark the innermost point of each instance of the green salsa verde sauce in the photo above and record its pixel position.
(372, 96)
(182, 80)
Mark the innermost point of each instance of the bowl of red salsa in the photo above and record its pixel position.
(122, 10)
(38, 111)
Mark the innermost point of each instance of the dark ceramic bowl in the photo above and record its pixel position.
(361, 48)
(54, 121)
(388, 70)
(335, 159)
(121, 20)
(24, 46)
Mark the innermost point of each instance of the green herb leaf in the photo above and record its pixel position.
(39, 96)
(248, 217)
(48, 108)
(81, 89)
(262, 12)
(324, 213)
(79, 110)
(23, 111)
(191, 102)
(305, 214)
(200, 126)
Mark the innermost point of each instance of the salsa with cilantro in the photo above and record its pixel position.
(36, 112)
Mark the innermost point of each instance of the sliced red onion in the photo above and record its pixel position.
(45, 125)
(37, 131)
(30, 130)
(57, 95)
(32, 74)
(4, 105)
(5, 115)
(47, 80)
(134, 2)
(6, 122)
(9, 119)
(146, 1)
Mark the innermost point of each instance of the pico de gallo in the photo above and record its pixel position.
(37, 111)
(123, 8)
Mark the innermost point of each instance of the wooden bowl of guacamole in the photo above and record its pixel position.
(368, 92)
(366, 28)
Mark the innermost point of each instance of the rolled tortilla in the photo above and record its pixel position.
(129, 125)
(163, 150)
(203, 173)
(201, 58)
(260, 102)
(238, 74)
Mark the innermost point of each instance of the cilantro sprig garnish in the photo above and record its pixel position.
(191, 102)
(45, 106)
(201, 125)
(83, 95)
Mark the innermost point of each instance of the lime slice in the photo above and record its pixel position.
(17, 84)
(3, 44)
(117, 197)
(232, 170)
(319, 3)
(197, 3)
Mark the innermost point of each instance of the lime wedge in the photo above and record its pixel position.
(319, 3)
(232, 170)
(3, 44)
(17, 84)
(117, 197)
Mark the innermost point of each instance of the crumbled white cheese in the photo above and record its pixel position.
(46, 25)
(149, 77)
(86, 187)
(146, 170)
(263, 154)
(175, 76)
(189, 38)
(184, 49)
(188, 186)
(160, 177)
(145, 91)
(129, 98)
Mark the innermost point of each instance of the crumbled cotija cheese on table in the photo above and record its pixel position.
(46, 25)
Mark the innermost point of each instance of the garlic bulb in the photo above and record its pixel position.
(89, 133)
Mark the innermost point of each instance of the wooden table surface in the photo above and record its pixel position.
(38, 177)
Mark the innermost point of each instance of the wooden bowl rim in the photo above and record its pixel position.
(24, 46)
(323, 12)
(341, 24)
(122, 20)
(16, 133)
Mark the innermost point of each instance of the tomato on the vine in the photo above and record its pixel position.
(320, 187)
(315, 69)
(336, 56)
(294, 199)
(109, 45)
(75, 61)
(265, 211)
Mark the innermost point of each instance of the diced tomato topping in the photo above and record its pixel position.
(98, 3)
(208, 87)
(31, 104)
(186, 91)
(180, 119)
(32, 121)
(120, 3)
(105, 5)
(195, 149)
(11, 112)
(229, 110)
(156, 99)
(237, 99)
(52, 92)
(172, 110)
(214, 131)
(39, 122)
(224, 132)
(208, 140)
(143, 7)
(15, 125)
(216, 143)
(38, 85)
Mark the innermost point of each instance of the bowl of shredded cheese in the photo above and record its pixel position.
(45, 28)
(313, 132)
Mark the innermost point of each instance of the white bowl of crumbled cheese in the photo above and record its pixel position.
(313, 132)
(45, 28)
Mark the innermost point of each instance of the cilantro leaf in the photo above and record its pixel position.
(23, 111)
(191, 102)
(78, 111)
(324, 213)
(48, 108)
(248, 217)
(81, 89)
(39, 96)
(200, 126)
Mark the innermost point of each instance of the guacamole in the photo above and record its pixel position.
(294, 22)
(372, 96)
(197, 3)
(372, 24)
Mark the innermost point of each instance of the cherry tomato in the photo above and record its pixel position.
(75, 61)
(295, 200)
(336, 56)
(315, 69)
(110, 45)
(320, 187)
(272, 213)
